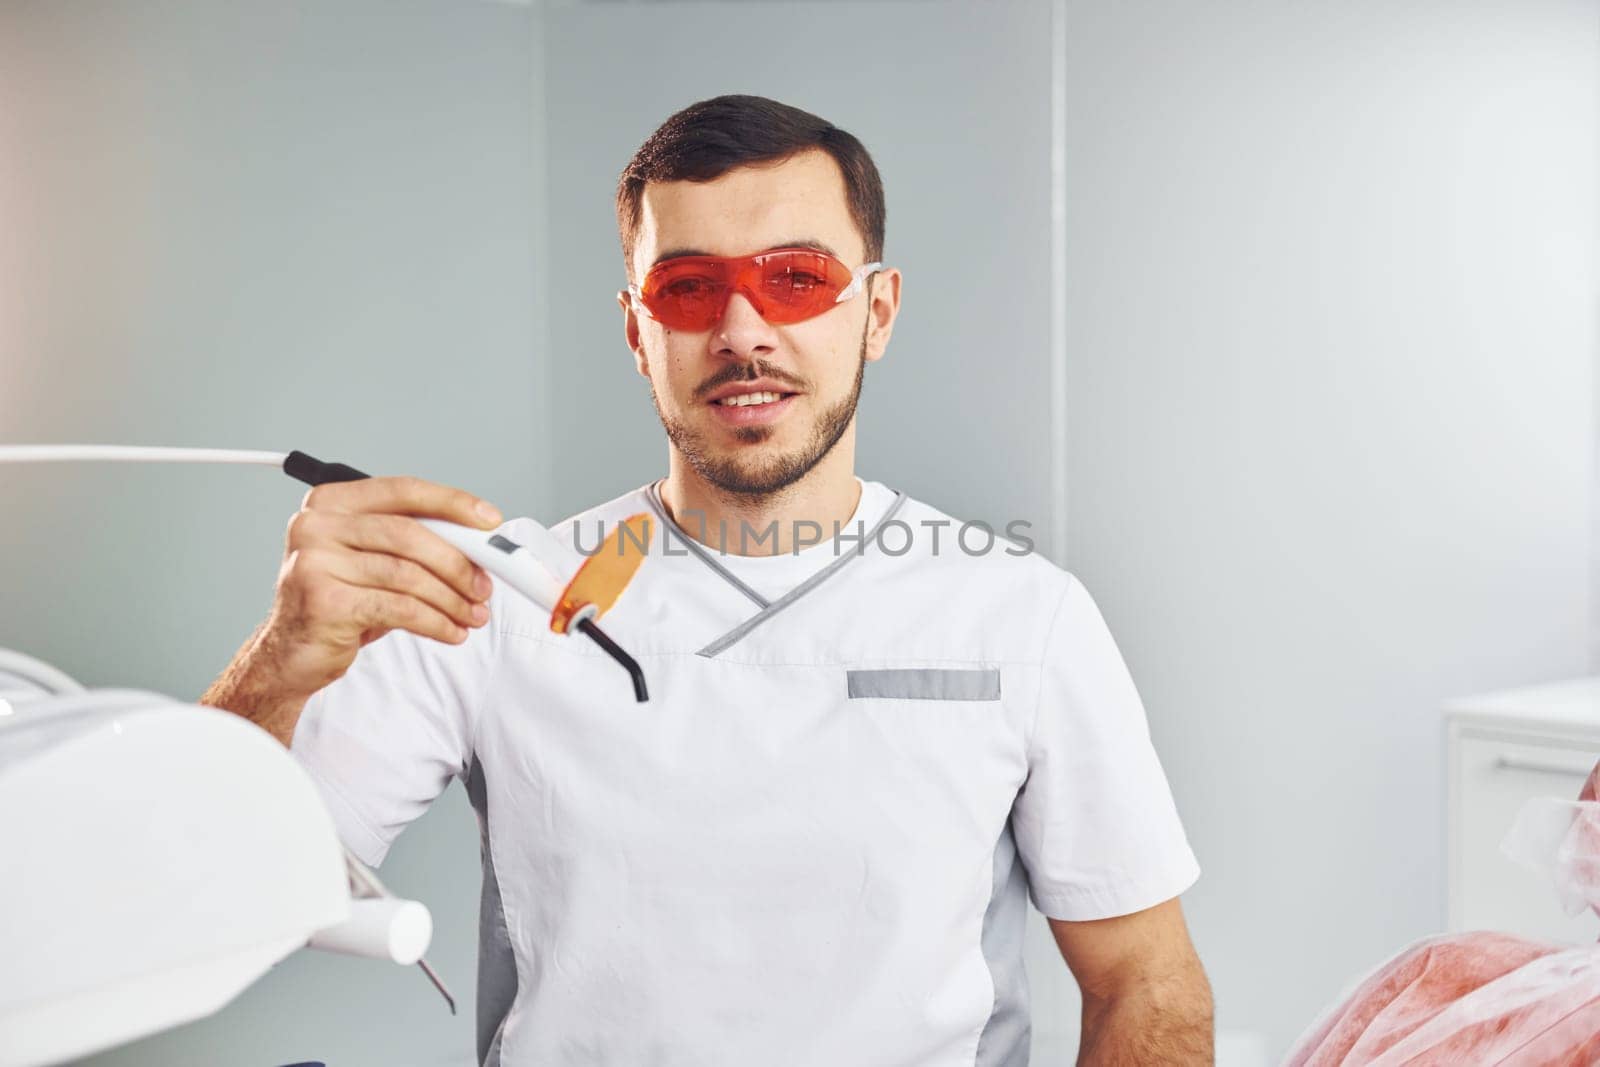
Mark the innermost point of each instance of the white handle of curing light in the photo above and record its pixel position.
(505, 559)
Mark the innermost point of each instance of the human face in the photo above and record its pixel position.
(815, 366)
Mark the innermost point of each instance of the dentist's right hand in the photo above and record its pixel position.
(356, 565)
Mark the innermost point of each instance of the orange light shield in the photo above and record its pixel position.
(605, 574)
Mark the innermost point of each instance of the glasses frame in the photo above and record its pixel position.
(858, 280)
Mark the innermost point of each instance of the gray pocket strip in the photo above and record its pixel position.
(925, 684)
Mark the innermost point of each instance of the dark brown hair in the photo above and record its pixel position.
(707, 139)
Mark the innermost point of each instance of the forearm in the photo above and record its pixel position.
(1150, 1023)
(247, 688)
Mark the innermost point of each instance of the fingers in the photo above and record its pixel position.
(398, 611)
(357, 564)
(396, 574)
(340, 608)
(393, 610)
(404, 496)
(399, 535)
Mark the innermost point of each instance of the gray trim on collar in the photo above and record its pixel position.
(737, 634)
(768, 609)
(668, 524)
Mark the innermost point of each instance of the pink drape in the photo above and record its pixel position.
(1479, 998)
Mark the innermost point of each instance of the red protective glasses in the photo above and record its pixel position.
(784, 286)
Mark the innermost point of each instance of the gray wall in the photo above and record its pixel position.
(1329, 409)
(259, 225)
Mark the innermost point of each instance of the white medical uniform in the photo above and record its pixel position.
(814, 844)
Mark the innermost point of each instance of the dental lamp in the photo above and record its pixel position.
(185, 853)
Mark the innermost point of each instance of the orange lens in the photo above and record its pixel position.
(789, 285)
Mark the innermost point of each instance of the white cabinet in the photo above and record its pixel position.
(1502, 749)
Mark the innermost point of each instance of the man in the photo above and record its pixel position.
(814, 845)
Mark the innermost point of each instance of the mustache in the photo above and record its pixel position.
(746, 372)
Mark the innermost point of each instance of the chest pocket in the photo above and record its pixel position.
(924, 683)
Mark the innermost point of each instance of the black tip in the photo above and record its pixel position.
(615, 652)
(313, 471)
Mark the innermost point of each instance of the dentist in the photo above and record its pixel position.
(863, 754)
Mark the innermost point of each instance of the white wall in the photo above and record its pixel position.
(1331, 417)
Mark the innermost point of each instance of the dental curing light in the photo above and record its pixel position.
(573, 605)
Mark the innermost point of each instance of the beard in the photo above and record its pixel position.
(759, 479)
